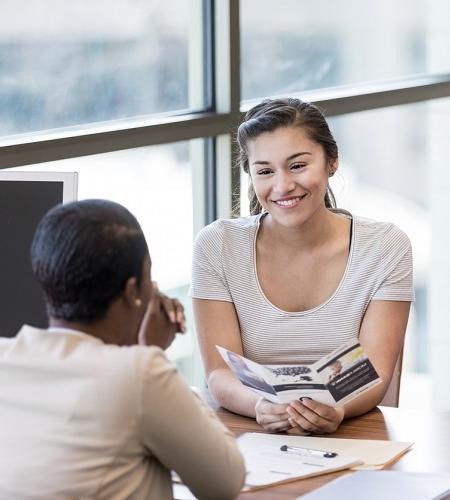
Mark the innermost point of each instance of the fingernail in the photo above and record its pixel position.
(172, 316)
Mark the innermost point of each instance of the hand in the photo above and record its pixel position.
(163, 318)
(271, 416)
(175, 311)
(312, 416)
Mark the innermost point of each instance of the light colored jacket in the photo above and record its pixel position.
(83, 419)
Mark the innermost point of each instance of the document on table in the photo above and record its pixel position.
(374, 453)
(266, 462)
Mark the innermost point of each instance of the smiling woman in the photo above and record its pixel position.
(297, 278)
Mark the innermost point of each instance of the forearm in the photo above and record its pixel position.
(228, 391)
(365, 402)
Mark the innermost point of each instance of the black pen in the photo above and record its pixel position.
(308, 452)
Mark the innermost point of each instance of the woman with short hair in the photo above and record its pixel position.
(85, 412)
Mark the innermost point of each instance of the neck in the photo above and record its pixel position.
(111, 329)
(315, 232)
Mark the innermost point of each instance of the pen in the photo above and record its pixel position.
(308, 452)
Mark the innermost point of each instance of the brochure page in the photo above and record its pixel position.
(333, 380)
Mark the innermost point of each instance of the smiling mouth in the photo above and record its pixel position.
(291, 202)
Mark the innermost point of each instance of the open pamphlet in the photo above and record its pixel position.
(271, 459)
(333, 380)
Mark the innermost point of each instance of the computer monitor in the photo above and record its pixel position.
(24, 198)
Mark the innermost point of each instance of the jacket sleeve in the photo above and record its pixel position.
(185, 435)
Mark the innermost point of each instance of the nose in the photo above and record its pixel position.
(284, 183)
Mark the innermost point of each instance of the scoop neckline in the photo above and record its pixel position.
(339, 286)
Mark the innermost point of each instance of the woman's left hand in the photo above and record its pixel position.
(175, 311)
(313, 416)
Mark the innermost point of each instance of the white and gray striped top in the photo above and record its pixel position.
(379, 267)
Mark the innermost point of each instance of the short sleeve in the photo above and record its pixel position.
(396, 265)
(208, 276)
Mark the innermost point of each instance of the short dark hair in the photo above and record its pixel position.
(271, 114)
(83, 253)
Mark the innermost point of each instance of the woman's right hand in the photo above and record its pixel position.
(272, 417)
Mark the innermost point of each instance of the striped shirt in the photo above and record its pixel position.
(379, 267)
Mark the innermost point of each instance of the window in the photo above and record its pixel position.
(64, 63)
(325, 44)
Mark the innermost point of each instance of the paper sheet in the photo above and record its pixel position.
(374, 454)
(266, 464)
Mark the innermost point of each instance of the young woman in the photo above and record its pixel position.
(84, 411)
(297, 278)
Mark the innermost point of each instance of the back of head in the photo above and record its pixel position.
(271, 114)
(82, 254)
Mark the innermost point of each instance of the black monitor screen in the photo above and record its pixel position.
(22, 205)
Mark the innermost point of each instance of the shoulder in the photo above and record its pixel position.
(225, 229)
(374, 228)
(153, 360)
(221, 226)
(385, 236)
(147, 358)
(128, 363)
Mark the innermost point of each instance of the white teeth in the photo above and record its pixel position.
(288, 203)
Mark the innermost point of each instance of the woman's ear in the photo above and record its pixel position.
(131, 293)
(332, 167)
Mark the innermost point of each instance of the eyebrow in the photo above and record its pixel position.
(289, 158)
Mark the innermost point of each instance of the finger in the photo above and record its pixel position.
(297, 420)
(169, 308)
(325, 411)
(281, 426)
(307, 413)
(315, 423)
(267, 418)
(273, 408)
(181, 319)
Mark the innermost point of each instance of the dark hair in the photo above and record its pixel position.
(83, 253)
(272, 114)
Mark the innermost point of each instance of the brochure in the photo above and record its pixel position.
(333, 380)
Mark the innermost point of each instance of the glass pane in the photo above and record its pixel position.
(66, 63)
(312, 45)
(156, 184)
(393, 168)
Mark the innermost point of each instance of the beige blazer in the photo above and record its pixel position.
(82, 419)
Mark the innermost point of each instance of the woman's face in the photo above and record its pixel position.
(290, 174)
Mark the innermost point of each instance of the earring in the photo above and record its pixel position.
(331, 173)
(138, 302)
